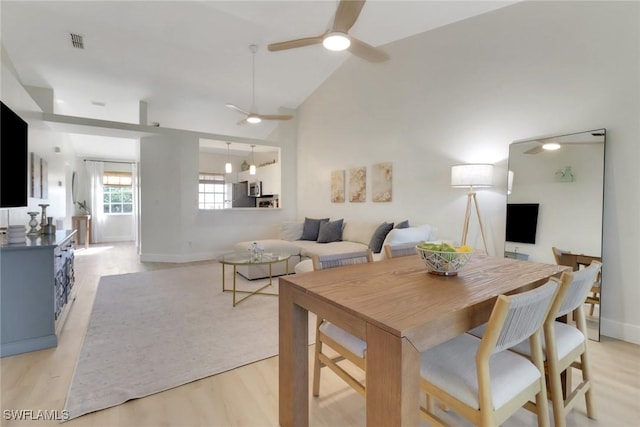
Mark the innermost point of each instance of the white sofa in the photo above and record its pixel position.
(356, 236)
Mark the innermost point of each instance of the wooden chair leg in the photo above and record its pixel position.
(316, 360)
(586, 377)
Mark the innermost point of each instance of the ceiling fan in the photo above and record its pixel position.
(252, 116)
(337, 37)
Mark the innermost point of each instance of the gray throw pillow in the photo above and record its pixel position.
(311, 227)
(330, 231)
(403, 224)
(378, 237)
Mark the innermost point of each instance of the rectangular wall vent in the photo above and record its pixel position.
(76, 41)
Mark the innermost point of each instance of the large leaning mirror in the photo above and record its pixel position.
(555, 204)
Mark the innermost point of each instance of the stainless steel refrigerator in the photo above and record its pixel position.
(240, 196)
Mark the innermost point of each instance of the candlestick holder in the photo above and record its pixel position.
(43, 219)
(33, 223)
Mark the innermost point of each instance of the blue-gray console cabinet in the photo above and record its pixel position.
(36, 291)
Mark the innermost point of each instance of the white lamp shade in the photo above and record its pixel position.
(252, 169)
(228, 168)
(472, 175)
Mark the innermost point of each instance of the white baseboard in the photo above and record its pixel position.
(179, 258)
(621, 331)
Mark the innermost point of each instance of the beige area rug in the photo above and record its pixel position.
(155, 330)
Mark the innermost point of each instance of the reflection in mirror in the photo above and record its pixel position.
(555, 200)
(225, 179)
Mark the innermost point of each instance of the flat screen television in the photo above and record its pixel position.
(522, 222)
(13, 159)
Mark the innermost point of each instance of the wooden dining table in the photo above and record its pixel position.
(400, 310)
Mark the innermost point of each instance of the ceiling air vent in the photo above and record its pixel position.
(76, 41)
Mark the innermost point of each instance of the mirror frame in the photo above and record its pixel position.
(568, 175)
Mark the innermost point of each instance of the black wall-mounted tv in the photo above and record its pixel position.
(522, 222)
(13, 159)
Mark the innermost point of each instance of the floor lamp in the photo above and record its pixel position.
(472, 176)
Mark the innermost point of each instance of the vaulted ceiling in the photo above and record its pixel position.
(187, 59)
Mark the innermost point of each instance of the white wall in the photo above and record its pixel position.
(173, 229)
(42, 141)
(463, 93)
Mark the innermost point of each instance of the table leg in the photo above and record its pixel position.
(393, 380)
(293, 372)
(87, 238)
(234, 285)
(223, 278)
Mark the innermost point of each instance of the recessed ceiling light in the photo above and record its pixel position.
(59, 101)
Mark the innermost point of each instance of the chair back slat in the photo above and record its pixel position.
(400, 249)
(581, 283)
(322, 262)
(526, 313)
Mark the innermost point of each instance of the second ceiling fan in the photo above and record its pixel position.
(252, 116)
(337, 37)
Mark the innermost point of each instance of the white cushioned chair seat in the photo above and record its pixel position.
(451, 366)
(354, 344)
(567, 338)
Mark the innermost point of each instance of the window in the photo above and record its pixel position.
(118, 193)
(211, 191)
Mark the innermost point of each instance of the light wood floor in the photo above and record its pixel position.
(248, 396)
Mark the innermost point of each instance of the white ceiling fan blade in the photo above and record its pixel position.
(291, 44)
(366, 52)
(238, 109)
(275, 116)
(242, 122)
(535, 150)
(347, 15)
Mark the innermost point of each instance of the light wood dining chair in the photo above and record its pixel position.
(593, 298)
(400, 249)
(348, 347)
(481, 379)
(565, 343)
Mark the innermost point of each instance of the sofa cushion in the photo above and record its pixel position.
(291, 230)
(375, 244)
(402, 224)
(412, 234)
(311, 228)
(308, 249)
(357, 231)
(330, 231)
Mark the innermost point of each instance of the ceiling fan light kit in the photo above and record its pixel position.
(336, 41)
(253, 119)
(550, 146)
(251, 116)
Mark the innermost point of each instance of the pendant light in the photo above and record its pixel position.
(228, 167)
(252, 167)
